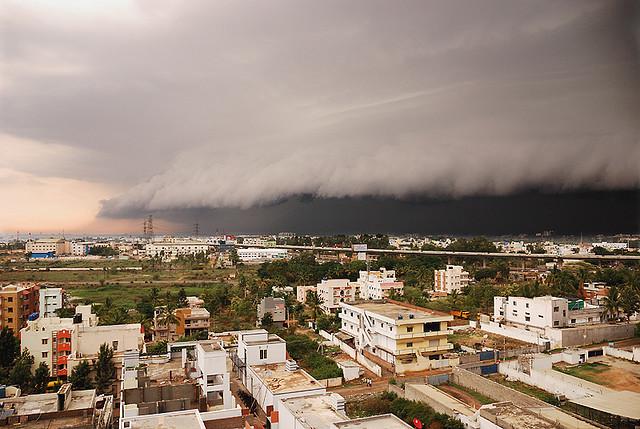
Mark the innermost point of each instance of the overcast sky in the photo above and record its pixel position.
(113, 110)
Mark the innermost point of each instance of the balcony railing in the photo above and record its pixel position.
(420, 334)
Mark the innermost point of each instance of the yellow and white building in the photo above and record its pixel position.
(400, 337)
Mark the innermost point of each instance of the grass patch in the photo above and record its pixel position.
(484, 400)
(536, 392)
(589, 371)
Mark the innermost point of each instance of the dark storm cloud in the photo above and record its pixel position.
(238, 104)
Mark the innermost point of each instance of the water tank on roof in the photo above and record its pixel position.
(33, 316)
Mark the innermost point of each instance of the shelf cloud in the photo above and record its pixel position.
(225, 104)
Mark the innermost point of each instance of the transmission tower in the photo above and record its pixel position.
(148, 227)
(196, 229)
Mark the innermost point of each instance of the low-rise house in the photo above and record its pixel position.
(192, 321)
(398, 336)
(274, 306)
(303, 291)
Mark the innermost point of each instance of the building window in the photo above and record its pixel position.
(114, 345)
(409, 344)
(573, 320)
(10, 310)
(10, 320)
(45, 354)
(527, 319)
(556, 309)
(10, 299)
(45, 341)
(556, 323)
(409, 328)
(263, 354)
(527, 305)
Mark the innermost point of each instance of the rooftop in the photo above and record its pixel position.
(622, 403)
(383, 421)
(279, 380)
(393, 310)
(189, 419)
(508, 412)
(211, 347)
(48, 402)
(316, 411)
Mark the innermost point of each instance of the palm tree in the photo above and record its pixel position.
(314, 301)
(454, 298)
(167, 317)
(612, 302)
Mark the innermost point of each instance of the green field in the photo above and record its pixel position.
(589, 371)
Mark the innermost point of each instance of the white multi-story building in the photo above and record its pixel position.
(379, 284)
(401, 337)
(258, 241)
(51, 299)
(81, 248)
(254, 254)
(453, 277)
(170, 249)
(611, 246)
(332, 292)
(544, 312)
(61, 343)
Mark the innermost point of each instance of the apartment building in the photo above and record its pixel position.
(51, 299)
(255, 254)
(258, 241)
(544, 312)
(62, 343)
(380, 284)
(275, 306)
(397, 336)
(17, 303)
(57, 246)
(333, 292)
(302, 291)
(191, 321)
(171, 248)
(453, 277)
(81, 248)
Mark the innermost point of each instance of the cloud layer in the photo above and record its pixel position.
(228, 104)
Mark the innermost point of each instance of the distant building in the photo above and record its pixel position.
(17, 303)
(611, 246)
(57, 246)
(544, 312)
(62, 343)
(398, 336)
(192, 321)
(195, 302)
(379, 284)
(171, 248)
(453, 277)
(275, 306)
(254, 254)
(81, 248)
(51, 299)
(258, 241)
(333, 292)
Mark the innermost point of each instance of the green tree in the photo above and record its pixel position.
(267, 320)
(10, 347)
(629, 300)
(41, 378)
(20, 375)
(612, 302)
(314, 301)
(116, 316)
(154, 295)
(105, 370)
(182, 298)
(80, 377)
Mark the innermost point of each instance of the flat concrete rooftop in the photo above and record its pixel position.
(48, 402)
(447, 400)
(393, 310)
(276, 377)
(316, 410)
(508, 412)
(211, 347)
(384, 421)
(621, 403)
(179, 420)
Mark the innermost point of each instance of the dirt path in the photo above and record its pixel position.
(378, 386)
(461, 395)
